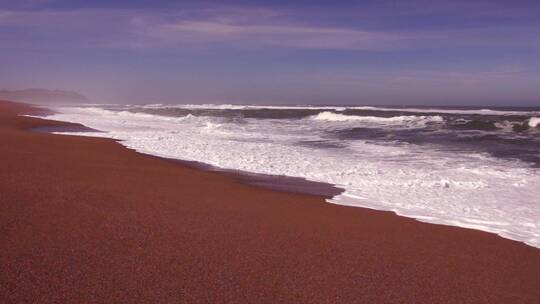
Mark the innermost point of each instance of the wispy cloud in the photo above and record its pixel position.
(296, 36)
(236, 27)
(132, 28)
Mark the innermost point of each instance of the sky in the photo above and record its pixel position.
(472, 53)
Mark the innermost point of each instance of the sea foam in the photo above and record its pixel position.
(534, 122)
(396, 120)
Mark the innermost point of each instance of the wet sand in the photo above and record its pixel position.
(86, 220)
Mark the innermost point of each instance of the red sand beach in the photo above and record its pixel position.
(85, 220)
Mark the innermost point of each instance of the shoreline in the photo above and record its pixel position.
(302, 185)
(285, 183)
(162, 230)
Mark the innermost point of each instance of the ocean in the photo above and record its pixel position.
(476, 168)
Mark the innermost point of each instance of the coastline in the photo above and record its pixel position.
(282, 183)
(431, 168)
(83, 214)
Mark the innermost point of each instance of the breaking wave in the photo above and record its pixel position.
(534, 122)
(395, 120)
(346, 108)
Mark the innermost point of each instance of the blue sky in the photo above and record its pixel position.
(276, 52)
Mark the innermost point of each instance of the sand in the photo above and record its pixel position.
(86, 220)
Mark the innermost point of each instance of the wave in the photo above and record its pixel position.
(395, 120)
(534, 122)
(446, 111)
(129, 116)
(528, 125)
(343, 108)
(241, 107)
(531, 124)
(491, 125)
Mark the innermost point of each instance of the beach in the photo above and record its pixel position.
(86, 220)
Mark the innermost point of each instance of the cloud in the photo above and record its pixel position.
(295, 36)
(237, 27)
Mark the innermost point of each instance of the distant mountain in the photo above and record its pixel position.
(43, 96)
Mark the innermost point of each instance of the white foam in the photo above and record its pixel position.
(395, 120)
(468, 190)
(241, 107)
(534, 122)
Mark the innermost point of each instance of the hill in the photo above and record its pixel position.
(43, 96)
